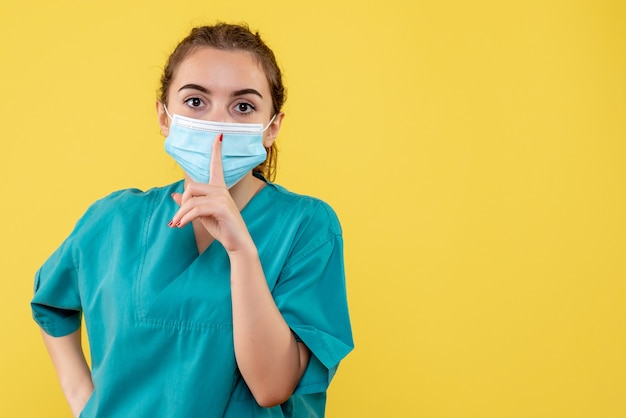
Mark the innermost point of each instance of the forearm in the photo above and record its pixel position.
(268, 356)
(72, 370)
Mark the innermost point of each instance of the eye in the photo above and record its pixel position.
(244, 107)
(194, 102)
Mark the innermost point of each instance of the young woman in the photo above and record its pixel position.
(221, 295)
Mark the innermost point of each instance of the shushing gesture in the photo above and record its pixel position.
(212, 205)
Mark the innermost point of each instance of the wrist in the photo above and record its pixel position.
(246, 251)
(77, 394)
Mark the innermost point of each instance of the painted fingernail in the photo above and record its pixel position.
(170, 223)
(178, 224)
(221, 137)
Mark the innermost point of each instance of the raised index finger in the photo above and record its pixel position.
(216, 172)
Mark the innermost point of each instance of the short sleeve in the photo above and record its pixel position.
(56, 304)
(311, 295)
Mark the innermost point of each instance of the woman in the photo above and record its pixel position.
(221, 295)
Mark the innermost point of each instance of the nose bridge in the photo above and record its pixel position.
(218, 112)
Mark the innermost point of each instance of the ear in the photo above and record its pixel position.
(164, 120)
(272, 130)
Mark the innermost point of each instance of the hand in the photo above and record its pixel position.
(213, 206)
(79, 400)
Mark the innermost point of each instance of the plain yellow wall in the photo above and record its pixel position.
(474, 150)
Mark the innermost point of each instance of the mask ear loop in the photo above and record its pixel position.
(266, 126)
(168, 113)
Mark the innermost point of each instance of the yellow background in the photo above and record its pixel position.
(474, 151)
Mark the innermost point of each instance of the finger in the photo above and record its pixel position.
(185, 208)
(216, 172)
(181, 200)
(184, 216)
(192, 209)
(178, 198)
(194, 212)
(189, 191)
(195, 195)
(193, 189)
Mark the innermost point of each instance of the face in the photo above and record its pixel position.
(221, 86)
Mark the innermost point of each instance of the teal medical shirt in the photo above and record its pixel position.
(158, 314)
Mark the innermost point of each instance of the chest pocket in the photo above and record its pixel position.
(177, 288)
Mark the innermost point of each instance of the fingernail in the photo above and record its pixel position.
(221, 137)
(170, 223)
(178, 224)
(172, 195)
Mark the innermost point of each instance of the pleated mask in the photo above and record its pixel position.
(190, 143)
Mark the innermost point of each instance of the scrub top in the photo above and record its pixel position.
(158, 314)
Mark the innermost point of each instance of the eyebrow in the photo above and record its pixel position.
(194, 87)
(242, 92)
(247, 91)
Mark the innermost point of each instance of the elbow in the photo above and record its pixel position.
(274, 397)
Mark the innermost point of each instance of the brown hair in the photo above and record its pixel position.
(232, 37)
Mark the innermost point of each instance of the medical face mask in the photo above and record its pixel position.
(190, 143)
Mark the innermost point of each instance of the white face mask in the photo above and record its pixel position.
(190, 143)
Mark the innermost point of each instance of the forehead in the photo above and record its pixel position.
(223, 69)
